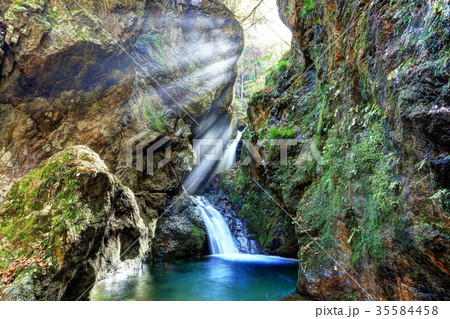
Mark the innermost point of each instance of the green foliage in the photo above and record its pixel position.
(288, 10)
(51, 14)
(253, 79)
(282, 65)
(20, 6)
(443, 196)
(278, 132)
(308, 9)
(353, 199)
(258, 54)
(313, 120)
(258, 209)
(358, 183)
(155, 117)
(154, 40)
(274, 72)
(434, 35)
(80, 34)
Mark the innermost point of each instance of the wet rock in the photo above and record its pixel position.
(245, 240)
(180, 231)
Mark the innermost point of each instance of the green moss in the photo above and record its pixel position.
(21, 6)
(80, 34)
(313, 120)
(198, 236)
(52, 15)
(42, 206)
(154, 41)
(255, 206)
(358, 185)
(274, 72)
(277, 132)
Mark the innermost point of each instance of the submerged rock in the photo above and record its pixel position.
(65, 225)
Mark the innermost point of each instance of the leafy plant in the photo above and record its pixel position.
(308, 9)
(155, 117)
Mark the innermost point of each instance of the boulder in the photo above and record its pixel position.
(180, 231)
(65, 225)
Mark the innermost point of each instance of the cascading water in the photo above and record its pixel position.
(234, 275)
(229, 158)
(226, 275)
(221, 240)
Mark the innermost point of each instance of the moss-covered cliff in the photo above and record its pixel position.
(364, 92)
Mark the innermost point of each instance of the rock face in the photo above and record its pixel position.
(365, 99)
(180, 231)
(65, 225)
(100, 77)
(127, 79)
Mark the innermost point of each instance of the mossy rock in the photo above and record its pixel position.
(68, 218)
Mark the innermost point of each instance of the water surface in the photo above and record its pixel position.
(214, 278)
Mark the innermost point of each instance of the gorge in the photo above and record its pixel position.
(331, 181)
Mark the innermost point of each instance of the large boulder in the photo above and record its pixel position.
(64, 226)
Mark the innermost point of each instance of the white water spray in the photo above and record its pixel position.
(221, 240)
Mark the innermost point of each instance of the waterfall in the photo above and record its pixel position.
(206, 168)
(221, 240)
(229, 158)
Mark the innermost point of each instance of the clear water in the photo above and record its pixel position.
(211, 278)
(226, 275)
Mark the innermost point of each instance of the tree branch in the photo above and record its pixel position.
(253, 11)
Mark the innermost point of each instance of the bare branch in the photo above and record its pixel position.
(253, 11)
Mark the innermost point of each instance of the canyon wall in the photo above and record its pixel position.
(121, 78)
(362, 96)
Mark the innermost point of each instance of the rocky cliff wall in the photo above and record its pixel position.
(111, 76)
(98, 74)
(364, 92)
